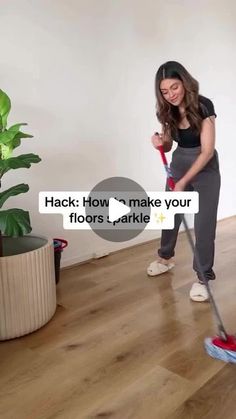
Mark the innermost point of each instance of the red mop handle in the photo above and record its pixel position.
(170, 179)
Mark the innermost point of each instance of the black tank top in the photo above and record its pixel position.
(186, 136)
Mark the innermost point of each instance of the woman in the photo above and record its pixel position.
(188, 119)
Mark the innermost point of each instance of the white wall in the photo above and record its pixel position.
(81, 73)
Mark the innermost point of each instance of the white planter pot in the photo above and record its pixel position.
(27, 285)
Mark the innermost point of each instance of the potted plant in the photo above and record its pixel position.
(27, 277)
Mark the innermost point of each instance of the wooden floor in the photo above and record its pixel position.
(123, 345)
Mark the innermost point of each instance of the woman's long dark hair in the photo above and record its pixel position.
(167, 114)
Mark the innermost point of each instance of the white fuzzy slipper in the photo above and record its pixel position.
(199, 292)
(158, 268)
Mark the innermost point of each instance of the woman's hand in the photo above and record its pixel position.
(157, 140)
(180, 186)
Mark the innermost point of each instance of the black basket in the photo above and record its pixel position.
(59, 245)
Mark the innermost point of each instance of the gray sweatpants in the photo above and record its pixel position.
(207, 183)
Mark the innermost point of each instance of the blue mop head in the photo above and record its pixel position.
(219, 349)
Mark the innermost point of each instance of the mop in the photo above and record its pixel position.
(222, 346)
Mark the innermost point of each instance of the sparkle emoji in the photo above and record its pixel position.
(159, 217)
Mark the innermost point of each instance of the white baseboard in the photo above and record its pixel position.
(105, 251)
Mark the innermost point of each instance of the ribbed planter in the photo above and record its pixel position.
(27, 285)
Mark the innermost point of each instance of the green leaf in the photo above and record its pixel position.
(17, 126)
(6, 151)
(22, 161)
(8, 135)
(5, 107)
(23, 135)
(10, 139)
(16, 142)
(17, 139)
(15, 222)
(14, 190)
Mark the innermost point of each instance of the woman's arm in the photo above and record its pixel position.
(207, 151)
